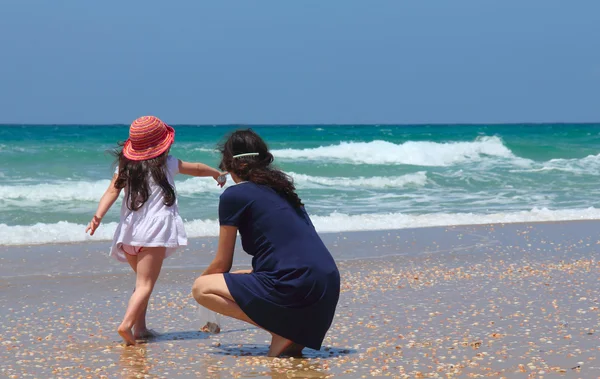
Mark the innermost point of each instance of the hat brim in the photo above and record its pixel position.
(151, 152)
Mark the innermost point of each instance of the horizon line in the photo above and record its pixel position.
(325, 124)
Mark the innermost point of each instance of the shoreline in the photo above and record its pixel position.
(327, 233)
(75, 258)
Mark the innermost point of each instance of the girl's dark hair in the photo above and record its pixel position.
(134, 176)
(256, 169)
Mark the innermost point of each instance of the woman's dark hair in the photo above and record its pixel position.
(258, 168)
(134, 176)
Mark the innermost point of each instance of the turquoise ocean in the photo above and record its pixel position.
(351, 177)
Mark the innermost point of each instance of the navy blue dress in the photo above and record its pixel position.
(295, 284)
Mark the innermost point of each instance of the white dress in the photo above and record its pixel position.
(154, 224)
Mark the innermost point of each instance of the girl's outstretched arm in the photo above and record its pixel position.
(106, 201)
(200, 169)
(224, 258)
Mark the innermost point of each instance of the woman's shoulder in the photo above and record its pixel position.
(242, 193)
(237, 190)
(234, 199)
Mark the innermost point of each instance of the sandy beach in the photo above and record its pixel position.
(501, 301)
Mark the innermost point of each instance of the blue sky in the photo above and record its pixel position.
(336, 61)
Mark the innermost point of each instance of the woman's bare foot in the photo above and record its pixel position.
(144, 334)
(127, 335)
(278, 345)
(294, 350)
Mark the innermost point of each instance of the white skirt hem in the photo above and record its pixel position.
(160, 231)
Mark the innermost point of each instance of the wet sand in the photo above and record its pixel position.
(512, 301)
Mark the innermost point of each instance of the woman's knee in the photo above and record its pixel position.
(199, 289)
(210, 285)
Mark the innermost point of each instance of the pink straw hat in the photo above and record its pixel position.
(149, 137)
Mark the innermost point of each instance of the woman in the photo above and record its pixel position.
(293, 288)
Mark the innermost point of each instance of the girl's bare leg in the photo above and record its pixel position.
(140, 330)
(211, 292)
(149, 263)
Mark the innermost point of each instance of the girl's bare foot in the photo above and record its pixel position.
(144, 334)
(126, 334)
(294, 350)
(278, 345)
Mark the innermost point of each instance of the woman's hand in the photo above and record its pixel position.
(221, 178)
(93, 225)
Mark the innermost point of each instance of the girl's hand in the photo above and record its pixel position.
(93, 225)
(221, 179)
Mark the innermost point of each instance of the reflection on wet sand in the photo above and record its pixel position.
(262, 367)
(133, 362)
(302, 368)
(251, 361)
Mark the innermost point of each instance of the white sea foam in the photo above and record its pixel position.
(418, 179)
(59, 191)
(589, 165)
(420, 153)
(206, 150)
(63, 232)
(194, 186)
(34, 194)
(337, 222)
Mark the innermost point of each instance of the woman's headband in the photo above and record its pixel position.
(246, 155)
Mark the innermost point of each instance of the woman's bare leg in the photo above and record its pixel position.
(211, 292)
(149, 263)
(294, 350)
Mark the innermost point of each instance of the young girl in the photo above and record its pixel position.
(150, 228)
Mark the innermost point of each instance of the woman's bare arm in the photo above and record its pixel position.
(224, 258)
